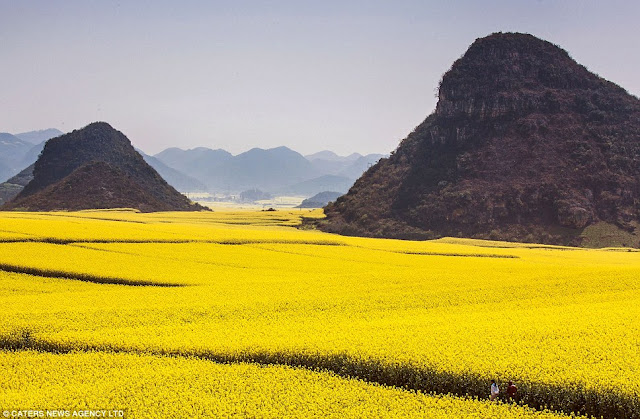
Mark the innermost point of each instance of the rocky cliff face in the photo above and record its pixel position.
(525, 144)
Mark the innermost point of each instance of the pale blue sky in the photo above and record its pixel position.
(345, 75)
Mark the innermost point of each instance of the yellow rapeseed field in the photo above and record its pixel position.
(169, 296)
(161, 387)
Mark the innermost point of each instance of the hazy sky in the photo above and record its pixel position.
(312, 75)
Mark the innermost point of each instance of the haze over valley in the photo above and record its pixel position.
(207, 172)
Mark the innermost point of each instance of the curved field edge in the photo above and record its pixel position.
(172, 387)
(229, 241)
(78, 276)
(571, 398)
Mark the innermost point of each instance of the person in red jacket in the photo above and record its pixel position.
(511, 391)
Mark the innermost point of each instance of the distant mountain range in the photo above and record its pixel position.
(175, 178)
(277, 170)
(322, 183)
(320, 200)
(18, 151)
(37, 137)
(195, 162)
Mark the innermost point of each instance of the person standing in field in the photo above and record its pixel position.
(494, 390)
(511, 391)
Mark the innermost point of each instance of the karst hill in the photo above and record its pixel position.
(96, 167)
(525, 144)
